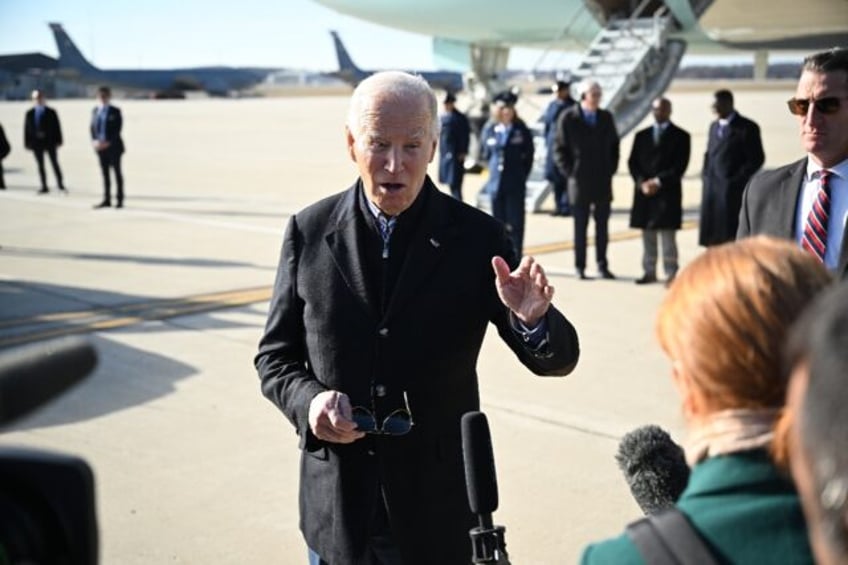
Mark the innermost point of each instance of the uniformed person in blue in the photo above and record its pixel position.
(507, 145)
(453, 146)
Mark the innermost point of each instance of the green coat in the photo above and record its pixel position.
(745, 509)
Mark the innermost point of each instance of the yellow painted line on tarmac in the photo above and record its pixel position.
(617, 236)
(124, 315)
(100, 319)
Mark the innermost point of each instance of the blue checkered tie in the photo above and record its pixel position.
(387, 226)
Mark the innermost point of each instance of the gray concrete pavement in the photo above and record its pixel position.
(193, 465)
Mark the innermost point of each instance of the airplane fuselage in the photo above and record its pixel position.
(215, 80)
(572, 24)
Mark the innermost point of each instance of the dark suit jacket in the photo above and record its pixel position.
(5, 147)
(325, 331)
(770, 203)
(742, 507)
(550, 118)
(48, 133)
(114, 124)
(729, 163)
(588, 155)
(452, 143)
(667, 161)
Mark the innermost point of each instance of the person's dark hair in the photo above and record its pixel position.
(835, 59)
(104, 90)
(820, 341)
(723, 96)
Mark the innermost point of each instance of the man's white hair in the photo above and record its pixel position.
(390, 84)
(586, 85)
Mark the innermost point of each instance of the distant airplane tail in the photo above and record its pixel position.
(69, 55)
(346, 64)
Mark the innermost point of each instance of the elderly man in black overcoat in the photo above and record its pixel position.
(382, 299)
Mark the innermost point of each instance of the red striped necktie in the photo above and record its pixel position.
(814, 239)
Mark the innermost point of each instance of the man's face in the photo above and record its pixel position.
(722, 107)
(824, 136)
(103, 98)
(38, 98)
(592, 98)
(661, 109)
(392, 150)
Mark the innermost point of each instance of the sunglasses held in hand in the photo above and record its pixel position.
(828, 105)
(398, 423)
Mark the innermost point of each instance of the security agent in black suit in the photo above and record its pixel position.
(5, 149)
(658, 159)
(734, 153)
(562, 101)
(453, 146)
(380, 305)
(779, 202)
(106, 124)
(43, 134)
(587, 151)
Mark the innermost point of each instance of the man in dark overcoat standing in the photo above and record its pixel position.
(734, 154)
(658, 159)
(453, 146)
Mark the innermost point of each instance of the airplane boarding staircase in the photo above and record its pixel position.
(634, 61)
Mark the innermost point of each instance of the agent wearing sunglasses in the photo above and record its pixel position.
(381, 302)
(734, 153)
(807, 201)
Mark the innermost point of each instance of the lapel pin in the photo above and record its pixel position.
(434, 243)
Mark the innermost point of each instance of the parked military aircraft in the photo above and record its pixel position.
(351, 74)
(217, 81)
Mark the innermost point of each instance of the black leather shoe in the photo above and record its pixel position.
(581, 274)
(647, 279)
(606, 274)
(43, 191)
(119, 205)
(103, 205)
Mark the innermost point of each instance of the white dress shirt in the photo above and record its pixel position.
(838, 214)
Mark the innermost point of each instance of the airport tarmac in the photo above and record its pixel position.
(192, 464)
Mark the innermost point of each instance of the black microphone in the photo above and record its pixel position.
(487, 541)
(32, 375)
(654, 467)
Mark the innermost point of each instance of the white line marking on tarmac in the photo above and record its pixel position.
(175, 217)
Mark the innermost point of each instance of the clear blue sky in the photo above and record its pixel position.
(175, 33)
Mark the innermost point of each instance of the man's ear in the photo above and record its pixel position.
(350, 143)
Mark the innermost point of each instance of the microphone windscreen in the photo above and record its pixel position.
(654, 466)
(480, 480)
(31, 375)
